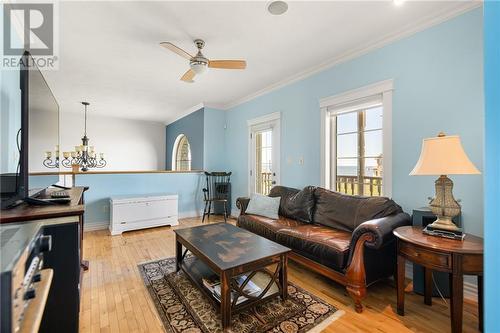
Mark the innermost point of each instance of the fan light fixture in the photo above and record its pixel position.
(198, 64)
(198, 67)
(277, 7)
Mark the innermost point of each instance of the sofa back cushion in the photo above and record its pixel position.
(346, 212)
(295, 204)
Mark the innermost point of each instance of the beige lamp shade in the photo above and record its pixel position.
(443, 155)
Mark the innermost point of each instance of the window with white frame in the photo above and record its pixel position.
(181, 154)
(356, 139)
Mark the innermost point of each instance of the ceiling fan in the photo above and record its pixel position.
(199, 62)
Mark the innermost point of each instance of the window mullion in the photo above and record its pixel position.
(361, 151)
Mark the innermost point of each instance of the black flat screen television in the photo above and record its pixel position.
(29, 112)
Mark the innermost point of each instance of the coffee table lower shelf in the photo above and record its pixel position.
(196, 270)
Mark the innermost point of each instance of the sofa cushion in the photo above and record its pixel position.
(265, 226)
(295, 204)
(327, 246)
(346, 212)
(263, 205)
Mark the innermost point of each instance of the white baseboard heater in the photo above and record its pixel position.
(140, 212)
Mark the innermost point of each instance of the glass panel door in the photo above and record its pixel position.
(263, 161)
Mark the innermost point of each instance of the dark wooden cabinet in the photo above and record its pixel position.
(64, 223)
(63, 304)
(422, 217)
(456, 258)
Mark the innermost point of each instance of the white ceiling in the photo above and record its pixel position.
(109, 52)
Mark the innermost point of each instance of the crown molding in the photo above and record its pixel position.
(214, 106)
(424, 24)
(184, 113)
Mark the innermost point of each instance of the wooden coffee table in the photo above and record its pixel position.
(229, 252)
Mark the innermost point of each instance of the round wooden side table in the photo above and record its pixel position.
(445, 255)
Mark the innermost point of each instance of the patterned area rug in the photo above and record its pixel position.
(184, 308)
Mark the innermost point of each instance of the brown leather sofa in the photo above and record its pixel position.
(346, 238)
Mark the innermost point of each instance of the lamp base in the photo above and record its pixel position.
(444, 223)
(458, 234)
(444, 205)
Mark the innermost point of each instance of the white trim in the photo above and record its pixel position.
(324, 149)
(185, 113)
(385, 88)
(174, 150)
(358, 93)
(93, 226)
(424, 24)
(264, 119)
(387, 143)
(271, 120)
(193, 213)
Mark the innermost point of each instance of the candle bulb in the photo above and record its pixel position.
(101, 155)
(91, 149)
(48, 154)
(73, 154)
(66, 154)
(77, 149)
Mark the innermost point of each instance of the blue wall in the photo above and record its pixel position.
(193, 127)
(214, 140)
(36, 182)
(438, 81)
(492, 165)
(103, 186)
(10, 118)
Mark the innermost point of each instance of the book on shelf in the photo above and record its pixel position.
(214, 286)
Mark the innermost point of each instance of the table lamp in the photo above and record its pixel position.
(440, 156)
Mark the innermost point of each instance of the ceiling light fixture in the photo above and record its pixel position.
(399, 2)
(277, 7)
(84, 156)
(198, 67)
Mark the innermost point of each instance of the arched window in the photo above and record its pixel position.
(181, 154)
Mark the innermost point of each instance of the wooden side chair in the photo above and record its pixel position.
(217, 190)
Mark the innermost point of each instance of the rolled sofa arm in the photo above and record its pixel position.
(242, 203)
(380, 229)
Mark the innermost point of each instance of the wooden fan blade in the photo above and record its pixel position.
(188, 76)
(178, 50)
(227, 64)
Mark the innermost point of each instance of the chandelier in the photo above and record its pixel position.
(84, 156)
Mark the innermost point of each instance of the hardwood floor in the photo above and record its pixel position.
(114, 298)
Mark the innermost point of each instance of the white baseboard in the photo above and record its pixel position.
(470, 283)
(93, 226)
(185, 215)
